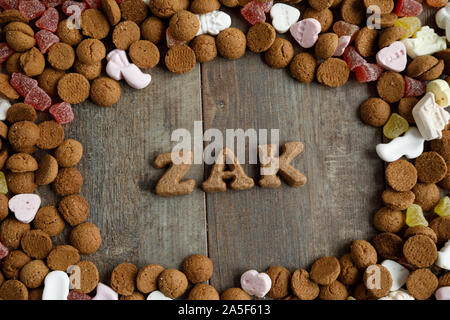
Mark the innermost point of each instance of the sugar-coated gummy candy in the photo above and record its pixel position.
(22, 83)
(38, 99)
(395, 126)
(31, 9)
(52, 3)
(253, 12)
(9, 4)
(266, 6)
(62, 112)
(353, 58)
(3, 251)
(415, 217)
(367, 72)
(3, 184)
(5, 52)
(410, 24)
(342, 28)
(408, 8)
(49, 20)
(67, 4)
(436, 3)
(73, 295)
(45, 39)
(442, 209)
(414, 87)
(93, 4)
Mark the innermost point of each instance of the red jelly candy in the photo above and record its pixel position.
(73, 295)
(408, 8)
(31, 9)
(5, 52)
(368, 72)
(342, 28)
(62, 112)
(353, 58)
(266, 6)
(253, 12)
(94, 4)
(22, 83)
(52, 3)
(38, 98)
(3, 251)
(414, 87)
(45, 39)
(9, 4)
(69, 3)
(49, 20)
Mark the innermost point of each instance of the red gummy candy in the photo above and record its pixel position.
(52, 3)
(22, 83)
(45, 39)
(368, 72)
(93, 4)
(49, 20)
(353, 58)
(408, 8)
(414, 87)
(253, 12)
(342, 28)
(3, 251)
(9, 4)
(31, 9)
(266, 6)
(5, 52)
(69, 3)
(62, 112)
(38, 98)
(73, 295)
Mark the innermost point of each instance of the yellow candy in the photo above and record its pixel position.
(3, 185)
(410, 24)
(442, 209)
(395, 126)
(414, 216)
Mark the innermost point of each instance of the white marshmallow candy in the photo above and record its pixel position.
(56, 286)
(283, 16)
(157, 295)
(442, 18)
(443, 260)
(399, 273)
(213, 22)
(425, 41)
(4, 106)
(398, 295)
(430, 118)
(409, 145)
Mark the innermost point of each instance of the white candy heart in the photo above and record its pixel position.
(256, 284)
(157, 295)
(443, 260)
(398, 295)
(56, 286)
(430, 118)
(399, 273)
(442, 16)
(283, 16)
(425, 41)
(105, 293)
(4, 106)
(409, 145)
(213, 22)
(441, 91)
(25, 206)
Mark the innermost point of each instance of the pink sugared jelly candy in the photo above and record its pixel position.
(93, 4)
(22, 83)
(253, 12)
(266, 6)
(368, 72)
(353, 58)
(3, 251)
(62, 112)
(5, 52)
(49, 20)
(73, 295)
(408, 8)
(52, 3)
(45, 39)
(31, 9)
(9, 4)
(342, 28)
(414, 87)
(343, 42)
(69, 3)
(38, 99)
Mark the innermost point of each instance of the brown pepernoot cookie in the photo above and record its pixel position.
(91, 51)
(235, 294)
(74, 209)
(320, 4)
(281, 279)
(431, 167)
(48, 80)
(144, 54)
(282, 165)
(425, 68)
(389, 220)
(125, 33)
(260, 37)
(94, 24)
(302, 286)
(444, 55)
(442, 146)
(333, 72)
(3, 130)
(165, 8)
(204, 6)
(391, 86)
(421, 284)
(32, 274)
(231, 43)
(172, 283)
(112, 11)
(350, 274)
(89, 276)
(73, 88)
(235, 172)
(147, 278)
(420, 251)
(184, 25)
(279, 54)
(375, 112)
(13, 262)
(52, 135)
(35, 294)
(334, 291)
(390, 35)
(32, 62)
(36, 243)
(388, 20)
(134, 296)
(71, 36)
(21, 162)
(105, 91)
(325, 17)
(86, 238)
(444, 280)
(170, 184)
(445, 183)
(12, 231)
(68, 181)
(6, 90)
(13, 290)
(90, 71)
(12, 65)
(420, 230)
(326, 45)
(230, 4)
(19, 36)
(303, 67)
(61, 56)
(69, 153)
(11, 15)
(325, 270)
(366, 41)
(377, 280)
(352, 11)
(397, 200)
(401, 175)
(426, 195)
(441, 226)
(198, 268)
(134, 10)
(385, 6)
(3, 207)
(204, 47)
(21, 112)
(23, 136)
(388, 245)
(21, 182)
(202, 291)
(153, 29)
(180, 59)
(47, 170)
(405, 107)
(48, 220)
(363, 254)
(63, 256)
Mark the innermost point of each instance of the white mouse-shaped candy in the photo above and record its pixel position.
(213, 22)
(409, 145)
(425, 41)
(399, 273)
(4, 106)
(443, 260)
(157, 295)
(398, 295)
(283, 16)
(105, 293)
(442, 19)
(430, 118)
(56, 286)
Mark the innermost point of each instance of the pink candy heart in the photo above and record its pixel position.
(25, 206)
(442, 293)
(393, 57)
(343, 42)
(254, 283)
(306, 32)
